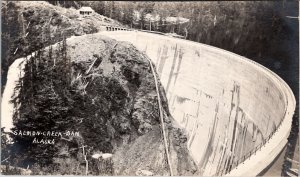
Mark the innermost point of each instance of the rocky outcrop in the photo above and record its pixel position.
(132, 117)
(105, 90)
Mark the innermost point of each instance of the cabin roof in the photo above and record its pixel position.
(84, 8)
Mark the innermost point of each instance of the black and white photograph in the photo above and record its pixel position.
(150, 88)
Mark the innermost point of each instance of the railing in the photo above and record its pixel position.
(116, 28)
(236, 163)
(226, 170)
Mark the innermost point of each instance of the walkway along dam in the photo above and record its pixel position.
(237, 113)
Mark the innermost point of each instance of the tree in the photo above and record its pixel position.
(45, 106)
(142, 19)
(10, 35)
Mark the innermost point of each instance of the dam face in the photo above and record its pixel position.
(229, 106)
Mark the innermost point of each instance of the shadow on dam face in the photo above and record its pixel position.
(229, 106)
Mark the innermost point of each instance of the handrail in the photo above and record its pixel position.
(248, 155)
(118, 28)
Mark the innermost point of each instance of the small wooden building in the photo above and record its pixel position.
(86, 11)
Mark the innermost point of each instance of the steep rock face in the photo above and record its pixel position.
(132, 121)
(119, 82)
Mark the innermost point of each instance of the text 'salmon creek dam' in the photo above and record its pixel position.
(237, 113)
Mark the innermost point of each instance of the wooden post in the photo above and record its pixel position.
(86, 162)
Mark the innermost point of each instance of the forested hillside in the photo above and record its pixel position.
(253, 29)
(28, 26)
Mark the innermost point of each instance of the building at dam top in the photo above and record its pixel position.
(85, 11)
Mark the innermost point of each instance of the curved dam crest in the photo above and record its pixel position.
(227, 104)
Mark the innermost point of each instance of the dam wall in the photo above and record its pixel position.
(237, 114)
(230, 106)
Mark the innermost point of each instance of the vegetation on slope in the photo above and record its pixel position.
(30, 26)
(108, 95)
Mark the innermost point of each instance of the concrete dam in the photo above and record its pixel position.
(237, 113)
